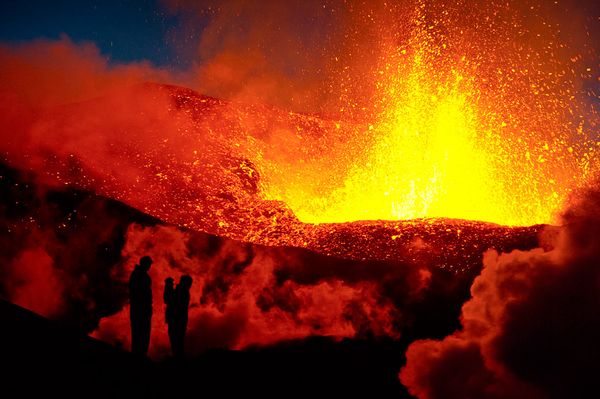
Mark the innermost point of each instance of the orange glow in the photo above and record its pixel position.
(458, 132)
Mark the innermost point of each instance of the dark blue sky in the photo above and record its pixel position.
(125, 30)
(134, 30)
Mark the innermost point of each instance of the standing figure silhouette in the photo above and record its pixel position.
(140, 306)
(176, 315)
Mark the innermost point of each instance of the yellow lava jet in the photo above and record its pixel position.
(465, 127)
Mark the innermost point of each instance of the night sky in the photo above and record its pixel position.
(167, 34)
(125, 31)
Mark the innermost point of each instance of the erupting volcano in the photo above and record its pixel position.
(480, 121)
(335, 169)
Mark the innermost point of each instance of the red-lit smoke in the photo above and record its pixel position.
(250, 295)
(59, 250)
(531, 328)
(35, 283)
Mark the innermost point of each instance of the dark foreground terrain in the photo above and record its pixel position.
(43, 357)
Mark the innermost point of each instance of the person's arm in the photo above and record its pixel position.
(132, 286)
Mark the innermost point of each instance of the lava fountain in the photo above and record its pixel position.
(477, 115)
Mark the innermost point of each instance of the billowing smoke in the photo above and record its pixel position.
(60, 248)
(531, 328)
(34, 283)
(299, 55)
(69, 254)
(245, 294)
(45, 73)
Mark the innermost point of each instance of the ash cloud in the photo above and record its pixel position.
(530, 329)
(298, 55)
(46, 73)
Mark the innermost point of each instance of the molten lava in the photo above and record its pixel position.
(469, 122)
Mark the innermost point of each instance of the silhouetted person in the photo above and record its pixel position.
(176, 315)
(140, 306)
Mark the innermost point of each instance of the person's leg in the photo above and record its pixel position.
(172, 338)
(178, 341)
(145, 335)
(183, 333)
(135, 335)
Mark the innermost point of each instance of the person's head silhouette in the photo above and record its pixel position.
(145, 263)
(185, 281)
